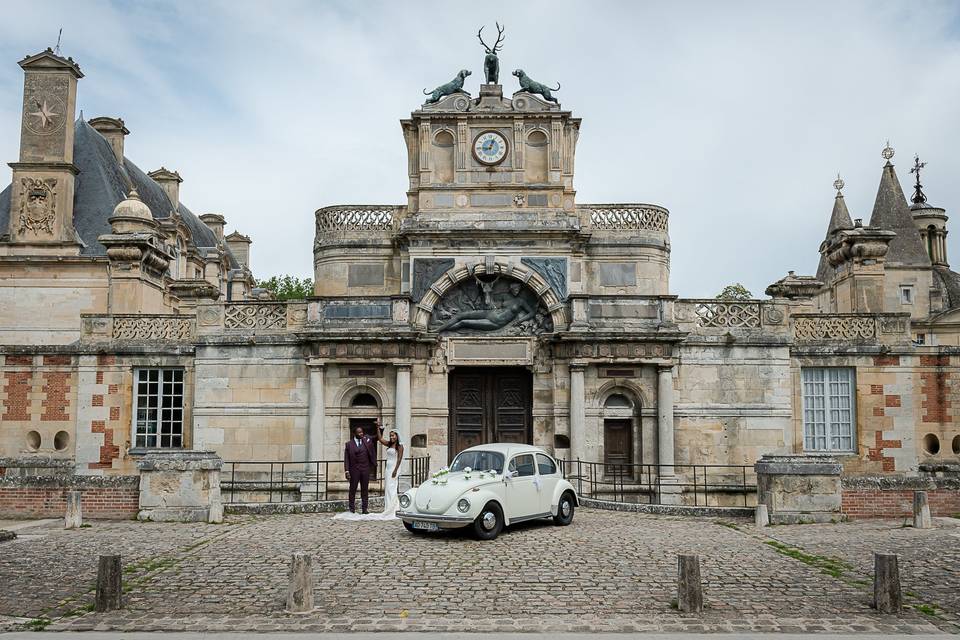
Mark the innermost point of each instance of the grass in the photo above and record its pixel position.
(931, 610)
(728, 525)
(38, 624)
(86, 525)
(830, 566)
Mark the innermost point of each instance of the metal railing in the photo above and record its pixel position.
(310, 479)
(695, 484)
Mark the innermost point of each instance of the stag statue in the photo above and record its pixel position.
(491, 63)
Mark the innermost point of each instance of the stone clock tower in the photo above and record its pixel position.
(41, 206)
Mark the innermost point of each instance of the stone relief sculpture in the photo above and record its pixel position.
(553, 270)
(37, 205)
(490, 307)
(491, 63)
(425, 272)
(532, 86)
(454, 86)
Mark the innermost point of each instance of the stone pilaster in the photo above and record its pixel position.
(578, 412)
(316, 414)
(665, 420)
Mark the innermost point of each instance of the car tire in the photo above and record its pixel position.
(565, 509)
(409, 527)
(489, 523)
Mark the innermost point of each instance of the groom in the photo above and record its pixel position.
(358, 461)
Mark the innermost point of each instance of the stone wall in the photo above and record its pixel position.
(892, 497)
(114, 498)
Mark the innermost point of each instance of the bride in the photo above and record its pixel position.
(391, 499)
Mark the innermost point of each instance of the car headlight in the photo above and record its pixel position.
(404, 501)
(463, 505)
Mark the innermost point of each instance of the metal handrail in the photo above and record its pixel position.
(279, 479)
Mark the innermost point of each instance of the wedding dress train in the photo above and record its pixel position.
(391, 499)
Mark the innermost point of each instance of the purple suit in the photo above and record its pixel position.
(359, 461)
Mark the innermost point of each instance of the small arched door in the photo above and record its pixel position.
(618, 430)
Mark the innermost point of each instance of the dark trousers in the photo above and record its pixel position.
(363, 479)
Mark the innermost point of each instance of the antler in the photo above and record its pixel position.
(500, 36)
(481, 38)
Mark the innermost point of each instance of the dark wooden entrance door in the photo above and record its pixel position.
(617, 441)
(491, 404)
(369, 426)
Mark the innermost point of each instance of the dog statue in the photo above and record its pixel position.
(532, 86)
(454, 86)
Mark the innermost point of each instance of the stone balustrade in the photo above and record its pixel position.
(624, 217)
(358, 218)
(851, 327)
(254, 317)
(138, 327)
(710, 313)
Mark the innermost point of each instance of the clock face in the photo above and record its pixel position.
(490, 147)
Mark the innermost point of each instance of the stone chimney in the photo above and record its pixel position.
(215, 223)
(239, 246)
(170, 181)
(114, 131)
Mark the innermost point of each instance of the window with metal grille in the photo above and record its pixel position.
(828, 408)
(158, 408)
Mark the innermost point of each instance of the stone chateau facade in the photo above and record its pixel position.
(491, 305)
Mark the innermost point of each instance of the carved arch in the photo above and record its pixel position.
(352, 388)
(614, 386)
(530, 278)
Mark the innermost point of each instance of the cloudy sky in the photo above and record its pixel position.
(735, 116)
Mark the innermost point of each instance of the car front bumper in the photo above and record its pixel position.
(442, 521)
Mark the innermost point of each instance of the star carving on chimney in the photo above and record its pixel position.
(47, 115)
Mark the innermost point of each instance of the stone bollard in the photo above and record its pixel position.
(689, 587)
(921, 511)
(300, 591)
(74, 517)
(761, 517)
(109, 584)
(886, 583)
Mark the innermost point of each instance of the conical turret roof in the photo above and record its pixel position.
(891, 213)
(839, 219)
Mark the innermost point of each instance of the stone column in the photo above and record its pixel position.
(317, 414)
(578, 414)
(665, 420)
(402, 419)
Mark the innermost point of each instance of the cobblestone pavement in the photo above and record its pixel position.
(609, 571)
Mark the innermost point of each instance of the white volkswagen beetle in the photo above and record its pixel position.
(489, 487)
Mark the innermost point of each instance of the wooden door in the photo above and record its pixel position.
(617, 442)
(489, 405)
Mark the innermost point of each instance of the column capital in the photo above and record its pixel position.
(665, 368)
(403, 366)
(577, 365)
(316, 364)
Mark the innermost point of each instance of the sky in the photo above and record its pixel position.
(735, 116)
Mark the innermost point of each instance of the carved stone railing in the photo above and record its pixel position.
(851, 327)
(364, 217)
(618, 217)
(150, 327)
(710, 313)
(255, 316)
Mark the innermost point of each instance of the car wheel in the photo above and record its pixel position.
(564, 511)
(409, 527)
(489, 523)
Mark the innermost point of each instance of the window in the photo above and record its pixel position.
(158, 408)
(906, 295)
(618, 401)
(478, 461)
(363, 400)
(546, 466)
(920, 339)
(522, 465)
(828, 408)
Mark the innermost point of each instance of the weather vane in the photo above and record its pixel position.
(887, 152)
(838, 184)
(56, 50)
(918, 196)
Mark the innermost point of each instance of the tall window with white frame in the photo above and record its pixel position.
(828, 408)
(158, 408)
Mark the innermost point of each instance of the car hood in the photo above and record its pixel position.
(438, 498)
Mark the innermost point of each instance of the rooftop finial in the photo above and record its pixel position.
(918, 196)
(838, 184)
(56, 50)
(887, 152)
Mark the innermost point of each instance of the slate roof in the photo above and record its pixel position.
(891, 213)
(949, 283)
(839, 219)
(102, 183)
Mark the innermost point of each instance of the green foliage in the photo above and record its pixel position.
(830, 566)
(735, 291)
(38, 624)
(288, 287)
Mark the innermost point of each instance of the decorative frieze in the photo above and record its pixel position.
(358, 218)
(727, 314)
(834, 327)
(153, 327)
(257, 317)
(626, 217)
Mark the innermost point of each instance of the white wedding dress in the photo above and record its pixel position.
(391, 500)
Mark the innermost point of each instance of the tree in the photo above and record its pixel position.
(735, 291)
(288, 287)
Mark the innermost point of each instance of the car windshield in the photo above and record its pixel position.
(478, 461)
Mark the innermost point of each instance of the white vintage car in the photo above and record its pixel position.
(489, 487)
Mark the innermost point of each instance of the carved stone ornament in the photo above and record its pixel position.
(490, 306)
(401, 311)
(209, 316)
(438, 359)
(553, 270)
(255, 316)
(38, 205)
(772, 315)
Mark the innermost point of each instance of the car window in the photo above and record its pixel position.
(546, 465)
(522, 465)
(478, 461)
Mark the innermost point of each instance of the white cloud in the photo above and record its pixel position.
(735, 116)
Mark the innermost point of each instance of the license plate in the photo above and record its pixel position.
(425, 526)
